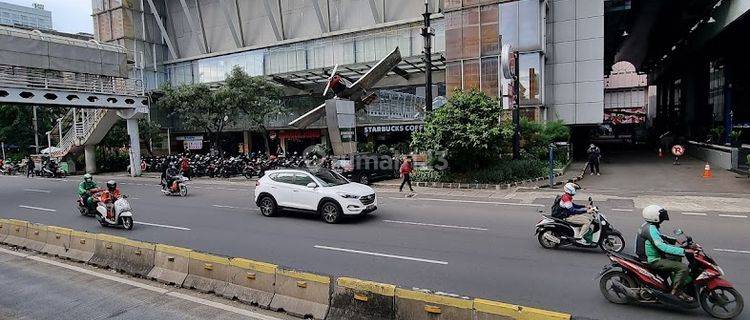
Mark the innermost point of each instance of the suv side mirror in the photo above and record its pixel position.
(312, 185)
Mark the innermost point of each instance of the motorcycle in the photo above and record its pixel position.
(52, 172)
(83, 209)
(553, 232)
(120, 212)
(628, 279)
(178, 187)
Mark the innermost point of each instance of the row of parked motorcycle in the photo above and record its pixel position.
(248, 166)
(49, 169)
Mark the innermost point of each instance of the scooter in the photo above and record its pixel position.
(84, 209)
(120, 211)
(552, 233)
(628, 279)
(178, 187)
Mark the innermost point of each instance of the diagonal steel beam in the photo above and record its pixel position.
(203, 29)
(321, 22)
(375, 14)
(230, 23)
(197, 35)
(164, 34)
(239, 21)
(271, 19)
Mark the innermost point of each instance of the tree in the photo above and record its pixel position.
(150, 132)
(467, 128)
(17, 124)
(118, 135)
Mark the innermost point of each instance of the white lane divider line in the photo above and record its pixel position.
(733, 215)
(37, 190)
(161, 225)
(694, 213)
(221, 306)
(622, 210)
(37, 208)
(435, 225)
(222, 206)
(384, 255)
(733, 251)
(471, 201)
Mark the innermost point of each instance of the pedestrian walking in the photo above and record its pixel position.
(595, 155)
(405, 170)
(29, 167)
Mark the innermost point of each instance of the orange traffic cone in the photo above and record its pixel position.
(707, 171)
(661, 155)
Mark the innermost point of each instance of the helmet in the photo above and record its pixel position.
(655, 214)
(87, 177)
(570, 188)
(111, 185)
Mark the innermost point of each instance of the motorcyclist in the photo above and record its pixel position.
(111, 194)
(85, 189)
(169, 175)
(660, 251)
(575, 213)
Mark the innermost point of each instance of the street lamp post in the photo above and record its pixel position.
(516, 112)
(427, 35)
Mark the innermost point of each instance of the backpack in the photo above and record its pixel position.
(556, 210)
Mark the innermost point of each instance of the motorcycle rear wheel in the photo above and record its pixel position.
(613, 243)
(547, 244)
(707, 296)
(609, 292)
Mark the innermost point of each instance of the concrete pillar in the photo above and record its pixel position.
(246, 140)
(135, 147)
(89, 152)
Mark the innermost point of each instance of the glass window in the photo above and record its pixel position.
(470, 33)
(453, 76)
(329, 178)
(452, 4)
(453, 37)
(283, 177)
(509, 23)
(302, 179)
(490, 70)
(528, 25)
(471, 74)
(490, 30)
(470, 2)
(529, 67)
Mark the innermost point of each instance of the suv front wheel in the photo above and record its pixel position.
(330, 212)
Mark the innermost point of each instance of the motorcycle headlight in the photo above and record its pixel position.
(347, 195)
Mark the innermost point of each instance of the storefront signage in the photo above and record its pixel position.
(190, 138)
(394, 128)
(193, 145)
(300, 134)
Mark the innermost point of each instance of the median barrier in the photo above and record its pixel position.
(58, 241)
(82, 245)
(16, 233)
(107, 251)
(4, 229)
(170, 264)
(539, 314)
(251, 282)
(355, 299)
(136, 257)
(301, 294)
(207, 273)
(417, 305)
(36, 236)
(495, 310)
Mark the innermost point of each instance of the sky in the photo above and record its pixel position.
(67, 15)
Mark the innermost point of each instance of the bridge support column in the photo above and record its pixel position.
(135, 147)
(89, 152)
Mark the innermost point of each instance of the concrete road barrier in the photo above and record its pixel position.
(136, 258)
(170, 264)
(355, 299)
(107, 251)
(16, 233)
(539, 314)
(302, 294)
(495, 310)
(82, 245)
(417, 305)
(4, 229)
(36, 236)
(251, 282)
(58, 241)
(207, 273)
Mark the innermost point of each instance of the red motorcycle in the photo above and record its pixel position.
(628, 279)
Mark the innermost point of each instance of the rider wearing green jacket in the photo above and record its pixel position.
(84, 189)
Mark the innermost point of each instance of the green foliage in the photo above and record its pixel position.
(149, 132)
(367, 147)
(498, 173)
(748, 161)
(716, 133)
(735, 135)
(384, 149)
(111, 160)
(117, 136)
(17, 125)
(466, 128)
(537, 136)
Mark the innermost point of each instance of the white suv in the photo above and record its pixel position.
(314, 190)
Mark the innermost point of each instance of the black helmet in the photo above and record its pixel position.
(111, 185)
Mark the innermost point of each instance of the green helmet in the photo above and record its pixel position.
(87, 177)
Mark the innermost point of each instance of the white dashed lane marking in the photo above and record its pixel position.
(37, 208)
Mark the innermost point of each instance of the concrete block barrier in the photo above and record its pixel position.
(251, 282)
(170, 264)
(36, 236)
(355, 299)
(58, 241)
(417, 305)
(107, 251)
(4, 229)
(16, 233)
(302, 294)
(495, 310)
(82, 245)
(207, 273)
(539, 314)
(136, 258)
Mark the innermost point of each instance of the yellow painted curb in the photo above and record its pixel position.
(209, 258)
(304, 276)
(58, 230)
(539, 314)
(137, 244)
(434, 298)
(109, 238)
(382, 289)
(82, 234)
(497, 308)
(253, 265)
(20, 223)
(178, 251)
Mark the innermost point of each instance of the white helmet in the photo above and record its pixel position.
(655, 214)
(570, 188)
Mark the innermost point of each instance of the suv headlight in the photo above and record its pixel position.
(347, 195)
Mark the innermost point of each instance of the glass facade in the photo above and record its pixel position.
(716, 89)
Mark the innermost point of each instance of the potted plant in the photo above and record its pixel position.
(734, 136)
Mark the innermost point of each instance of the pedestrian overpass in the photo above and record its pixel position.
(90, 78)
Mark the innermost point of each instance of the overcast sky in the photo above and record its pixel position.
(67, 15)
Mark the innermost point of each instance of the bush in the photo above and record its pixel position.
(499, 173)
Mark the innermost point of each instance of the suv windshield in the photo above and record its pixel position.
(328, 177)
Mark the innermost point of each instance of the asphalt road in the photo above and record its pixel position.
(469, 246)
